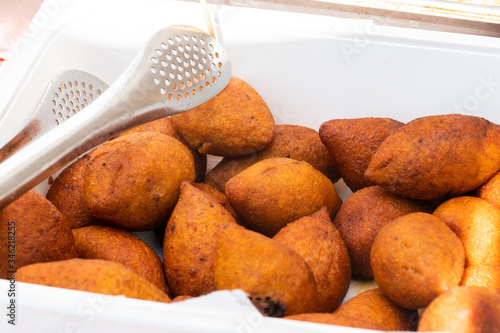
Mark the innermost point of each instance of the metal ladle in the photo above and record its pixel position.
(179, 68)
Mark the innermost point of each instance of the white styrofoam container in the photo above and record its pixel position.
(309, 68)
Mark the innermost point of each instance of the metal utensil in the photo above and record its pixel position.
(68, 93)
(179, 68)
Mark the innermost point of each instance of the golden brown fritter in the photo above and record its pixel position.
(118, 245)
(477, 223)
(189, 241)
(132, 182)
(373, 307)
(297, 142)
(278, 280)
(32, 230)
(317, 240)
(335, 319)
(166, 126)
(352, 142)
(219, 195)
(482, 276)
(463, 310)
(235, 122)
(437, 157)
(276, 191)
(361, 217)
(207, 189)
(415, 258)
(93, 275)
(162, 125)
(66, 194)
(490, 190)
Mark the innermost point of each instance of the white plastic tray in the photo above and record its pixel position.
(309, 68)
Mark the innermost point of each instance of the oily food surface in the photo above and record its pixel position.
(352, 143)
(263, 268)
(236, 122)
(40, 232)
(268, 219)
(102, 242)
(98, 276)
(116, 190)
(66, 194)
(290, 141)
(363, 215)
(316, 239)
(464, 309)
(276, 191)
(471, 219)
(415, 258)
(189, 242)
(436, 157)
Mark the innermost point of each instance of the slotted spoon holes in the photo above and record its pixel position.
(183, 66)
(71, 97)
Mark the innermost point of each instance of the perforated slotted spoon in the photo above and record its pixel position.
(179, 68)
(68, 93)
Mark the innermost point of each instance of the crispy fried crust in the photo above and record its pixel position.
(118, 245)
(373, 307)
(361, 217)
(39, 232)
(292, 141)
(482, 276)
(415, 258)
(437, 157)
(490, 190)
(67, 195)
(276, 191)
(336, 319)
(166, 126)
(221, 197)
(189, 242)
(352, 142)
(133, 182)
(463, 310)
(93, 275)
(477, 223)
(317, 240)
(278, 280)
(163, 125)
(236, 122)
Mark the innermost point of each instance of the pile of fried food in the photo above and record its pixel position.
(423, 220)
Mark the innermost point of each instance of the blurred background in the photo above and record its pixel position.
(15, 16)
